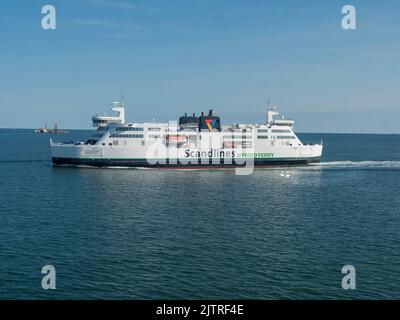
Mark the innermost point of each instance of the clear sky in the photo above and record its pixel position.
(171, 57)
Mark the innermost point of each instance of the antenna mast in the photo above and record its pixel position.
(271, 113)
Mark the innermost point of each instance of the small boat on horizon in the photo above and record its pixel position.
(54, 130)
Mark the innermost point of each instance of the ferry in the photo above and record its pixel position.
(194, 141)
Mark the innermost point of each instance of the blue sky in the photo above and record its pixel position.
(171, 57)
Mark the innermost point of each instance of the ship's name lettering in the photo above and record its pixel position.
(212, 153)
(256, 155)
(92, 152)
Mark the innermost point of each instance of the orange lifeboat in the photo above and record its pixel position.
(175, 139)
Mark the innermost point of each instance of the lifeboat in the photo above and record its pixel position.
(230, 144)
(175, 139)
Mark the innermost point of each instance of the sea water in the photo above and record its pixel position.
(282, 233)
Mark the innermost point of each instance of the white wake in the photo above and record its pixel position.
(358, 164)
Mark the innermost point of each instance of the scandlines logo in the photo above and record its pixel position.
(210, 123)
(212, 153)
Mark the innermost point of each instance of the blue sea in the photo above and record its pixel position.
(153, 234)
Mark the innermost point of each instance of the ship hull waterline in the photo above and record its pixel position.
(202, 164)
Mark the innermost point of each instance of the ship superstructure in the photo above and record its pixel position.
(199, 141)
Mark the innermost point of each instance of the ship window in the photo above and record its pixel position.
(129, 129)
(281, 131)
(262, 137)
(127, 136)
(262, 130)
(154, 136)
(91, 141)
(237, 137)
(154, 129)
(285, 137)
(100, 121)
(115, 143)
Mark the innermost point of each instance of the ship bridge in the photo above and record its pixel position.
(283, 123)
(103, 121)
(271, 112)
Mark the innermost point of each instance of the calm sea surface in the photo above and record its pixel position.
(148, 234)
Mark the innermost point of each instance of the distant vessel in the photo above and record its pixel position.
(194, 141)
(54, 130)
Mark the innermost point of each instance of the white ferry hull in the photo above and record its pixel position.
(123, 157)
